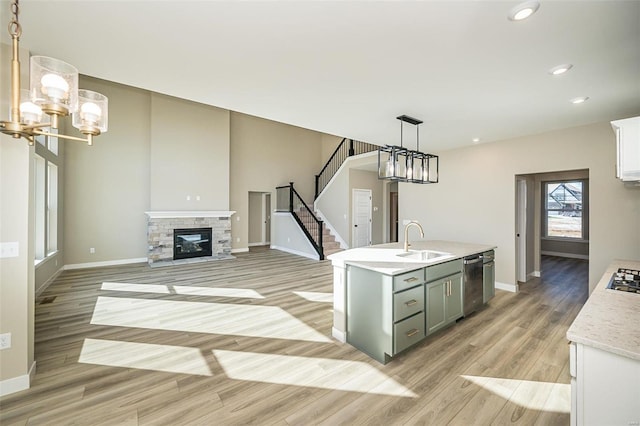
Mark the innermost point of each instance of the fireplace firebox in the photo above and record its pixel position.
(189, 243)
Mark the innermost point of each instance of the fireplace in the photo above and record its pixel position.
(193, 242)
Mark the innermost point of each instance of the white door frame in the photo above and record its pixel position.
(354, 203)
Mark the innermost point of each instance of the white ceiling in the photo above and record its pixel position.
(350, 67)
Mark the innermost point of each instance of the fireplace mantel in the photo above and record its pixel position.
(188, 213)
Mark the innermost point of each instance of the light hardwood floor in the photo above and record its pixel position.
(247, 341)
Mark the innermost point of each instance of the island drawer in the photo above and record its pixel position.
(408, 280)
(408, 332)
(443, 269)
(407, 303)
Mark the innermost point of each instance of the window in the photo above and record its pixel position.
(46, 197)
(563, 208)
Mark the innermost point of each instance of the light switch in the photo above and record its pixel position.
(9, 249)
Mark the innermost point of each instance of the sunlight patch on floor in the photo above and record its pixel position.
(202, 317)
(352, 376)
(138, 288)
(314, 296)
(183, 289)
(217, 292)
(144, 356)
(543, 396)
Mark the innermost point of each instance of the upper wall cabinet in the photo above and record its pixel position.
(628, 149)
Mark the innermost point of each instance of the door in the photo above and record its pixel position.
(454, 298)
(521, 230)
(266, 231)
(361, 218)
(393, 217)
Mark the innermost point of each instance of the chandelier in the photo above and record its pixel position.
(401, 164)
(53, 90)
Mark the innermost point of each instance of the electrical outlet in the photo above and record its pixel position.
(5, 341)
(92, 250)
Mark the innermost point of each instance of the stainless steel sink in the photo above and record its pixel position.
(424, 255)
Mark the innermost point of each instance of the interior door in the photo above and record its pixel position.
(361, 218)
(393, 217)
(521, 230)
(267, 218)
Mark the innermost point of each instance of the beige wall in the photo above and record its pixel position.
(189, 155)
(475, 199)
(266, 154)
(107, 185)
(16, 225)
(362, 179)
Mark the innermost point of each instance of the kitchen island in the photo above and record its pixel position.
(386, 299)
(604, 359)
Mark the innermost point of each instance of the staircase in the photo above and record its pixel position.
(329, 243)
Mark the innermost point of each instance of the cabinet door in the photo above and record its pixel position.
(454, 298)
(489, 281)
(435, 294)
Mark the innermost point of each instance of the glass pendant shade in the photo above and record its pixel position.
(92, 114)
(53, 85)
(30, 113)
(392, 163)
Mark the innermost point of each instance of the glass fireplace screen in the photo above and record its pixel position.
(191, 243)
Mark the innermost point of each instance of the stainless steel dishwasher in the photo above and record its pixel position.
(473, 282)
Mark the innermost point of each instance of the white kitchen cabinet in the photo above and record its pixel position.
(627, 149)
(605, 387)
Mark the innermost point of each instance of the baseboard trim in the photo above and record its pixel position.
(105, 263)
(296, 252)
(240, 250)
(536, 274)
(340, 336)
(48, 282)
(258, 244)
(17, 384)
(569, 255)
(513, 288)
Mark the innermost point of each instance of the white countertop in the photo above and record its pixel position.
(609, 319)
(383, 258)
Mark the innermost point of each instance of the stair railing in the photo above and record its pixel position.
(288, 200)
(347, 148)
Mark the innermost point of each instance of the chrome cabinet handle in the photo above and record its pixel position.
(411, 302)
(410, 280)
(412, 332)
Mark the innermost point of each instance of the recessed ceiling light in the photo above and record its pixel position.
(560, 69)
(475, 140)
(523, 10)
(579, 100)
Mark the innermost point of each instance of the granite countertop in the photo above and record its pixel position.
(609, 319)
(383, 258)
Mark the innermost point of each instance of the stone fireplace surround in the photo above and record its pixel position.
(160, 226)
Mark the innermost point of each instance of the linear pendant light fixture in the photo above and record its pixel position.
(400, 164)
(54, 91)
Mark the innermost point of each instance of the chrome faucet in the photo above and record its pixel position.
(406, 233)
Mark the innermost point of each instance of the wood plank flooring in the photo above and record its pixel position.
(232, 343)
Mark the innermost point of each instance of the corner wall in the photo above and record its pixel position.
(266, 154)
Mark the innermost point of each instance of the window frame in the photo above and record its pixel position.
(46, 189)
(584, 222)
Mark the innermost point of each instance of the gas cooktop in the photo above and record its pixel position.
(626, 280)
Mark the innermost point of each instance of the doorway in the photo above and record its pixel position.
(393, 217)
(361, 218)
(259, 218)
(551, 219)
